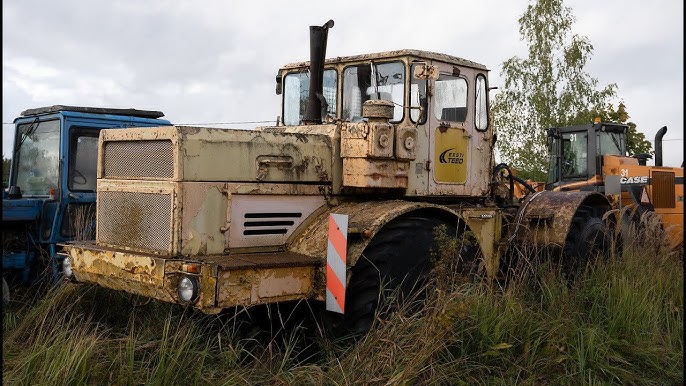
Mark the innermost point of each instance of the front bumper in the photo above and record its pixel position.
(224, 280)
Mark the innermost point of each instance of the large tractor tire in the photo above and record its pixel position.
(589, 238)
(398, 259)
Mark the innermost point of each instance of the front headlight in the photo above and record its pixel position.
(66, 268)
(188, 289)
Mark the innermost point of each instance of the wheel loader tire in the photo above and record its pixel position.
(641, 226)
(399, 258)
(588, 238)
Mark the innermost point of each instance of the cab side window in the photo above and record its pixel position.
(450, 101)
(83, 162)
(481, 104)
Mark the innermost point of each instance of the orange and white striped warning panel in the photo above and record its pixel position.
(336, 262)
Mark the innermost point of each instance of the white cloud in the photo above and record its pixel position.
(215, 61)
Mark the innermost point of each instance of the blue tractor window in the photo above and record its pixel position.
(84, 160)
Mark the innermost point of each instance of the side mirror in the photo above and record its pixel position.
(279, 85)
(14, 192)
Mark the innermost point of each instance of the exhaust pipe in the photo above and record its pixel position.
(316, 103)
(658, 145)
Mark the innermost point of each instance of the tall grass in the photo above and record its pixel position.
(619, 322)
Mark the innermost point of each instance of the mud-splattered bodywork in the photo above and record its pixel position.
(244, 212)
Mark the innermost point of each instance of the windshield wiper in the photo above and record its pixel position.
(32, 128)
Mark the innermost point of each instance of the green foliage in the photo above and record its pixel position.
(548, 88)
(636, 142)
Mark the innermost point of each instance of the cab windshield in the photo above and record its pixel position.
(36, 159)
(611, 143)
(373, 81)
(297, 90)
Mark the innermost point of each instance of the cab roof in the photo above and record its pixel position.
(93, 110)
(419, 54)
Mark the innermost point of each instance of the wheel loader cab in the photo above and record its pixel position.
(576, 152)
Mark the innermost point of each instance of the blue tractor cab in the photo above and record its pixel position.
(52, 182)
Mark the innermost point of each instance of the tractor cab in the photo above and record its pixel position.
(576, 152)
(433, 137)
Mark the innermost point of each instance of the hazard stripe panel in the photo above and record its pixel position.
(336, 262)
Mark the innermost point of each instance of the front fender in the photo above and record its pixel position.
(544, 218)
(365, 219)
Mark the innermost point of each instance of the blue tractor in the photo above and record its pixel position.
(52, 183)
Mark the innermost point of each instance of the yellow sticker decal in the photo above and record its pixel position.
(450, 156)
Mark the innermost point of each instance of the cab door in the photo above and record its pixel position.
(460, 154)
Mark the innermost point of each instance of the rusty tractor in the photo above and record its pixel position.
(371, 154)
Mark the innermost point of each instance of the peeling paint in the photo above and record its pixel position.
(250, 207)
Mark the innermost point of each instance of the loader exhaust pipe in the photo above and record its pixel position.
(658, 145)
(316, 103)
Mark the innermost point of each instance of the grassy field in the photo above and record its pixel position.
(618, 323)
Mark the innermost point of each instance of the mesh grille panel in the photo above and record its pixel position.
(663, 190)
(136, 220)
(135, 159)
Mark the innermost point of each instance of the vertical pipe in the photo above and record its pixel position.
(318, 37)
(658, 145)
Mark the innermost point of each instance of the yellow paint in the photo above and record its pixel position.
(450, 156)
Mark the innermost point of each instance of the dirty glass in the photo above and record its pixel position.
(373, 81)
(481, 109)
(553, 164)
(37, 159)
(611, 143)
(418, 99)
(574, 155)
(297, 90)
(450, 100)
(82, 169)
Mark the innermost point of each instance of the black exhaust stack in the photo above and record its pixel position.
(316, 103)
(658, 145)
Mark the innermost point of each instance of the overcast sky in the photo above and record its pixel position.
(215, 61)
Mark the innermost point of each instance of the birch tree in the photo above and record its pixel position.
(550, 87)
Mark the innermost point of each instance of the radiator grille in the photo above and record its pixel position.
(135, 220)
(139, 159)
(663, 190)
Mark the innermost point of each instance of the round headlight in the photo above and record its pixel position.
(188, 289)
(66, 268)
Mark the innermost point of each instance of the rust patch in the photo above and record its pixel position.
(370, 173)
(267, 285)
